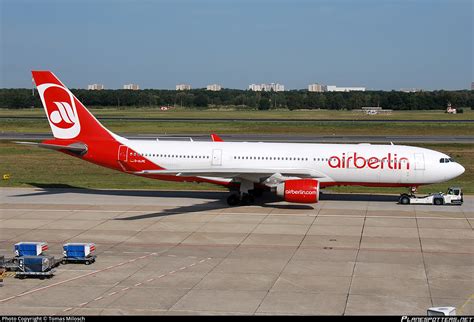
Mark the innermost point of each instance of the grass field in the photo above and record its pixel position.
(30, 166)
(255, 114)
(276, 127)
(204, 127)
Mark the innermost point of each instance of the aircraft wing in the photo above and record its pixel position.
(238, 172)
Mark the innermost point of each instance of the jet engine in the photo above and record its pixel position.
(299, 190)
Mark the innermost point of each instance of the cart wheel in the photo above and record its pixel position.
(87, 262)
(21, 277)
(438, 201)
(42, 277)
(64, 262)
(404, 200)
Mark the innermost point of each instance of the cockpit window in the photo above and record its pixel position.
(445, 160)
(451, 160)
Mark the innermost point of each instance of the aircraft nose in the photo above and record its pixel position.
(458, 170)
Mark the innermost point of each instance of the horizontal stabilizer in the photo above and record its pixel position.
(77, 148)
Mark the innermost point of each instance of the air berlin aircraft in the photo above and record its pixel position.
(294, 171)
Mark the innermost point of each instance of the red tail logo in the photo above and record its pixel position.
(59, 107)
(61, 110)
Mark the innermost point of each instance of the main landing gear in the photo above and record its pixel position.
(238, 198)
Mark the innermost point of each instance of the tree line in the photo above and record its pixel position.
(294, 99)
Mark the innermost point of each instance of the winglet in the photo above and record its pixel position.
(216, 138)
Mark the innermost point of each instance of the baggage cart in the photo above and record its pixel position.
(78, 253)
(36, 266)
(30, 248)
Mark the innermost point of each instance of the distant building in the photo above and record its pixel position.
(183, 87)
(267, 87)
(334, 88)
(214, 87)
(95, 87)
(255, 87)
(472, 86)
(315, 88)
(411, 90)
(133, 87)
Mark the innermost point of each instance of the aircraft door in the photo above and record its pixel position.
(419, 172)
(216, 157)
(123, 153)
(419, 161)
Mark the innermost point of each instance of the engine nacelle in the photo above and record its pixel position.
(299, 190)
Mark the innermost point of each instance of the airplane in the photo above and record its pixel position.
(293, 171)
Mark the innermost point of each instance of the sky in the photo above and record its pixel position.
(379, 44)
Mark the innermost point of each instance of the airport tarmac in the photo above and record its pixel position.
(188, 253)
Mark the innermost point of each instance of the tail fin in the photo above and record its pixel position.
(68, 118)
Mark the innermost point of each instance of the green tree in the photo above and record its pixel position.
(201, 100)
(264, 104)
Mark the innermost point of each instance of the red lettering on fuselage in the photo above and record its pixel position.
(355, 161)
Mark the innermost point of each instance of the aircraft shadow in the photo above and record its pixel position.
(357, 197)
(215, 199)
(52, 189)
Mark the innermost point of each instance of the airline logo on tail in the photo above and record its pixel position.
(61, 110)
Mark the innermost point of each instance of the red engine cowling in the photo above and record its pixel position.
(299, 190)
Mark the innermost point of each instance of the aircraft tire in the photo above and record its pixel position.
(233, 200)
(247, 199)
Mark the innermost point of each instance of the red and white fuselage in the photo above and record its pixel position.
(339, 164)
(295, 170)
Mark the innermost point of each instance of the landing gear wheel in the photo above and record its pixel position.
(233, 200)
(257, 192)
(247, 199)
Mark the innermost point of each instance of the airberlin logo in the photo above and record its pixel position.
(61, 110)
(63, 115)
(352, 160)
(300, 192)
